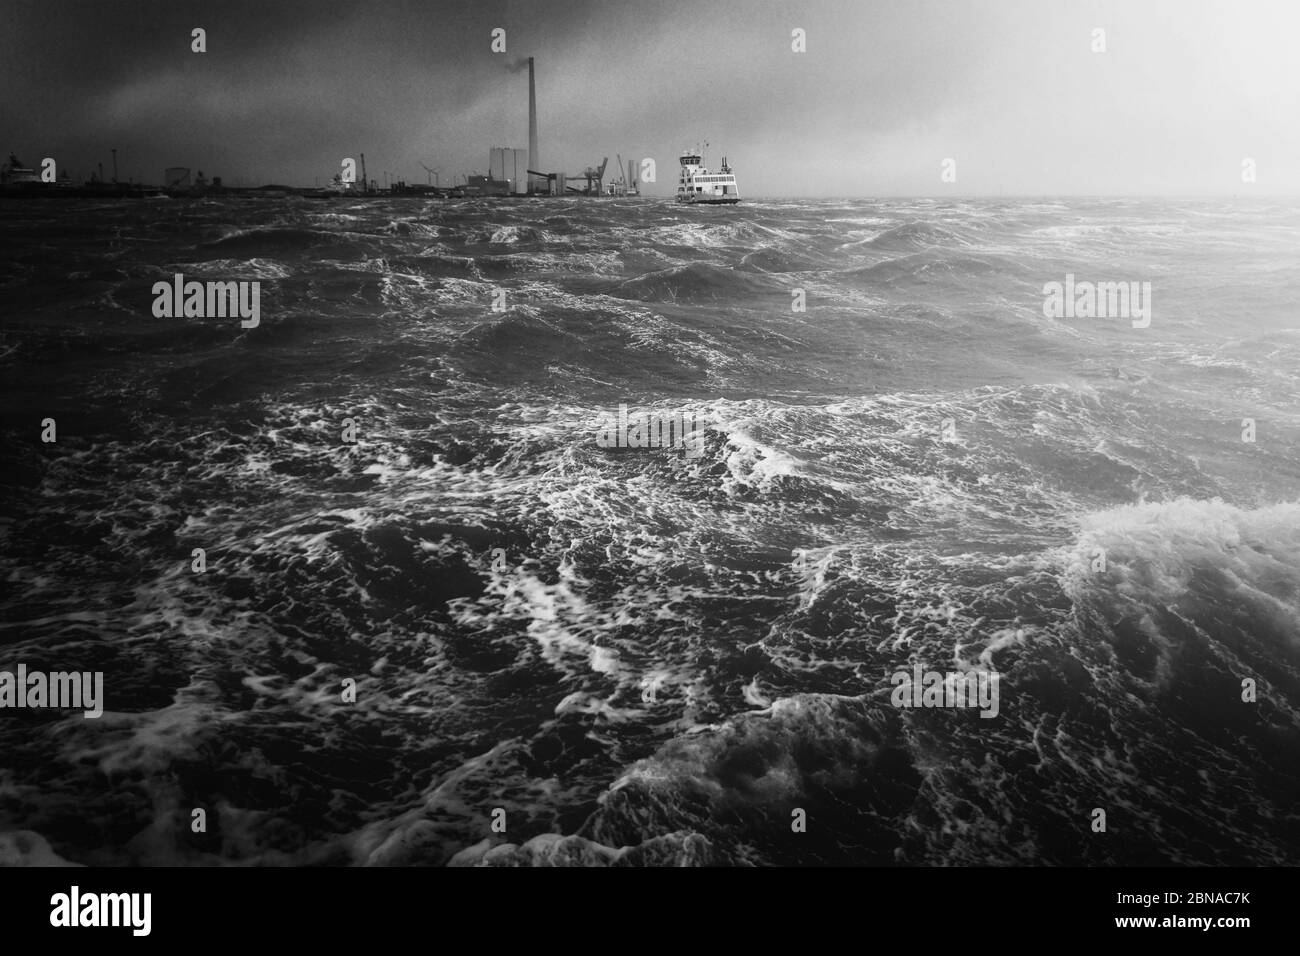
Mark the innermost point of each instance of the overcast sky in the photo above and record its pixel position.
(886, 91)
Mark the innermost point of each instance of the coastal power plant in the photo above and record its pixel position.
(511, 172)
(516, 172)
(542, 183)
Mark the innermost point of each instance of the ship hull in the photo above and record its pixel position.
(712, 201)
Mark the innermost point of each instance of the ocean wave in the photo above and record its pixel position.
(918, 235)
(695, 282)
(283, 241)
(1158, 576)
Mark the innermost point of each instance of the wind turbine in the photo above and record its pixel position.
(431, 173)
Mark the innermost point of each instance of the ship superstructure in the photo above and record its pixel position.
(698, 184)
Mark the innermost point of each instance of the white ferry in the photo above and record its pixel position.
(15, 172)
(696, 184)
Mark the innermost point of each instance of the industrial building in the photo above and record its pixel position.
(510, 166)
(485, 186)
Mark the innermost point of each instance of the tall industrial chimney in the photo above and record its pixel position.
(533, 158)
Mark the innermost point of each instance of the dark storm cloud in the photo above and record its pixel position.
(283, 91)
(885, 91)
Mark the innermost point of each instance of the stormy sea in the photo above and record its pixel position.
(367, 587)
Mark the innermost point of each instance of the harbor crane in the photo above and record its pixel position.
(591, 175)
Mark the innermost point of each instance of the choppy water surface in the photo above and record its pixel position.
(522, 678)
